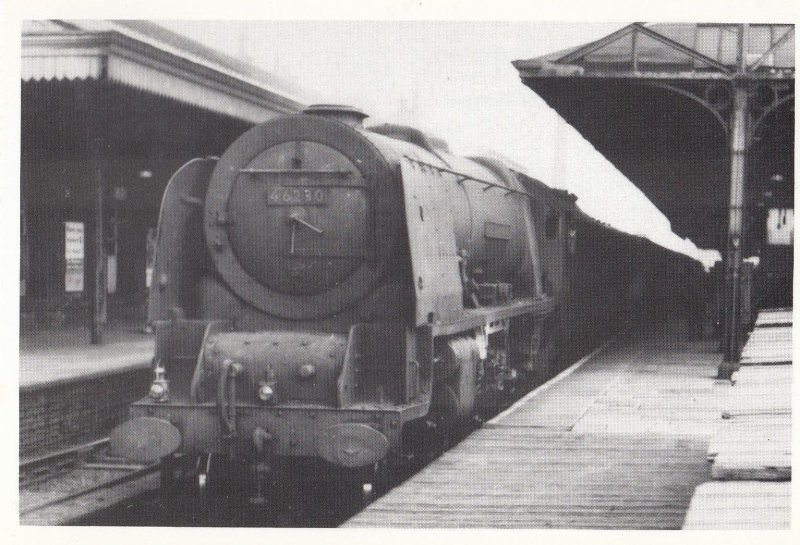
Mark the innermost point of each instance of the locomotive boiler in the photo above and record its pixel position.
(325, 291)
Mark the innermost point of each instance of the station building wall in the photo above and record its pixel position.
(147, 139)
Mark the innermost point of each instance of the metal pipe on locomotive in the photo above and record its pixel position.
(329, 291)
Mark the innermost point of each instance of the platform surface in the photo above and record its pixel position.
(740, 505)
(618, 443)
(775, 316)
(768, 345)
(751, 449)
(52, 357)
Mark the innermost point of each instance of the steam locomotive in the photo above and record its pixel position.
(348, 295)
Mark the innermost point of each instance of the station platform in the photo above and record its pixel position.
(751, 449)
(71, 391)
(618, 440)
(47, 357)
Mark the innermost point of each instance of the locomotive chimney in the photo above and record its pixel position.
(345, 114)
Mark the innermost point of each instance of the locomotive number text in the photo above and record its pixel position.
(293, 196)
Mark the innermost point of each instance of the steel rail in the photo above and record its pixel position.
(132, 476)
(133, 472)
(63, 453)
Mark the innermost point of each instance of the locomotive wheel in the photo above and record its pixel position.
(437, 437)
(423, 441)
(175, 475)
(362, 486)
(549, 349)
(368, 494)
(379, 483)
(295, 488)
(220, 475)
(214, 486)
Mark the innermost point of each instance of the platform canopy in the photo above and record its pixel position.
(145, 56)
(110, 110)
(699, 116)
(656, 99)
(671, 51)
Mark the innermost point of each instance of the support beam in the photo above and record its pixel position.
(733, 258)
(98, 315)
(779, 42)
(93, 104)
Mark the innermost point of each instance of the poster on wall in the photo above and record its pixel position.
(73, 256)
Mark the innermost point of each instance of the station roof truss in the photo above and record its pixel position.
(701, 61)
(635, 78)
(153, 59)
(672, 51)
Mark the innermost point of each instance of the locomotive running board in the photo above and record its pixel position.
(477, 317)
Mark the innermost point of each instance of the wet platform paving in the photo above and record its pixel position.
(617, 441)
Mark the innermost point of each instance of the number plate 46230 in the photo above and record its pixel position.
(294, 196)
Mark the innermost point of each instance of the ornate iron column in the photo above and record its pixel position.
(733, 254)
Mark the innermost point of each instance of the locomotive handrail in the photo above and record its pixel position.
(214, 326)
(305, 172)
(463, 177)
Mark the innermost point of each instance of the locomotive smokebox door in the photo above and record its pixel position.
(293, 213)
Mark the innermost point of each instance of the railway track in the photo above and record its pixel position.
(84, 485)
(64, 486)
